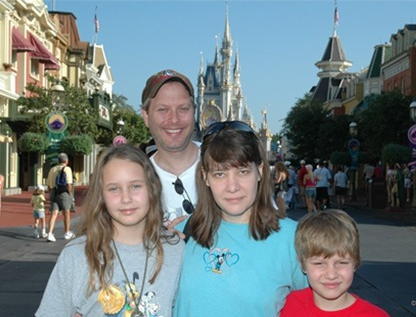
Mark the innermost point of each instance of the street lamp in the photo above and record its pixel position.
(354, 129)
(412, 111)
(353, 149)
(411, 134)
(58, 92)
(120, 125)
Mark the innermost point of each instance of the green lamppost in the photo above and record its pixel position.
(353, 149)
(56, 123)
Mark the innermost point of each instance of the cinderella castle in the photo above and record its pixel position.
(220, 95)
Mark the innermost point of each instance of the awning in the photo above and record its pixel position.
(42, 54)
(19, 43)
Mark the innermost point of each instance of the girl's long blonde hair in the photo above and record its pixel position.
(97, 223)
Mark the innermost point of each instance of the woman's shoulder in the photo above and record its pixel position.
(288, 224)
(287, 228)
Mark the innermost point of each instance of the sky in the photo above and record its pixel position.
(279, 41)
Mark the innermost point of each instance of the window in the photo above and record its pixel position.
(14, 59)
(34, 67)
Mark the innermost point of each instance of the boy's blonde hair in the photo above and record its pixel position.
(327, 233)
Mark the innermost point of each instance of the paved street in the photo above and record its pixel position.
(386, 277)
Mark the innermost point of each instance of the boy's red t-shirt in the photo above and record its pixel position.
(300, 304)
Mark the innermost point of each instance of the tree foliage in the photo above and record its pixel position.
(82, 117)
(132, 127)
(312, 132)
(33, 142)
(77, 145)
(386, 120)
(395, 153)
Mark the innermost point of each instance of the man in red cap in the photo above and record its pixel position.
(168, 110)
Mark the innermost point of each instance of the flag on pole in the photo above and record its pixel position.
(96, 22)
(336, 16)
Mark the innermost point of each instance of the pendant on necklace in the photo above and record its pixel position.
(112, 299)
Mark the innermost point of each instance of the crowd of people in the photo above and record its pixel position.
(240, 256)
(309, 185)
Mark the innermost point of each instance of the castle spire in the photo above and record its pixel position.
(201, 63)
(227, 32)
(237, 64)
(217, 62)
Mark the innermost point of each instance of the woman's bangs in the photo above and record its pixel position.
(223, 157)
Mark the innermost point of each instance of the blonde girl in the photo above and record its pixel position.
(124, 263)
(38, 203)
(309, 181)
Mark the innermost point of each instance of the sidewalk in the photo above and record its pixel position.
(16, 210)
(406, 215)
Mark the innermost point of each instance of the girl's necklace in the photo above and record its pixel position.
(136, 311)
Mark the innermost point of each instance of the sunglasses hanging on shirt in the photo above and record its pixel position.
(180, 189)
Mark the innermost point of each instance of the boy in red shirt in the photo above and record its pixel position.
(328, 248)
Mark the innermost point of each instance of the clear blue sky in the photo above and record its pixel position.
(279, 41)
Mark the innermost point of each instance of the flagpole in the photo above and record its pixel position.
(336, 17)
(96, 26)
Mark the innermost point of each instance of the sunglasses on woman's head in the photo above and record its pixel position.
(235, 125)
(180, 189)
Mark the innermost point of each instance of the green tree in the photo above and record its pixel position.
(302, 128)
(82, 117)
(333, 135)
(132, 127)
(386, 120)
(395, 153)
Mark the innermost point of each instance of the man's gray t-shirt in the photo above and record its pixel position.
(66, 292)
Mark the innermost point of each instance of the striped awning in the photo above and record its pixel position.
(19, 43)
(42, 54)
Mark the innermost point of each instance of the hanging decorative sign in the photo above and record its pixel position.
(411, 134)
(56, 122)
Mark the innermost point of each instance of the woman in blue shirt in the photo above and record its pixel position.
(240, 259)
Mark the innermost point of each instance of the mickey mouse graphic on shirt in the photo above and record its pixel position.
(216, 257)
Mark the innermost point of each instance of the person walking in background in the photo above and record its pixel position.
(124, 263)
(240, 258)
(301, 175)
(328, 246)
(323, 177)
(292, 189)
(168, 110)
(407, 181)
(38, 203)
(392, 186)
(341, 186)
(280, 178)
(309, 182)
(60, 188)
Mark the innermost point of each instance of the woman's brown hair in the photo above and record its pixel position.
(232, 148)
